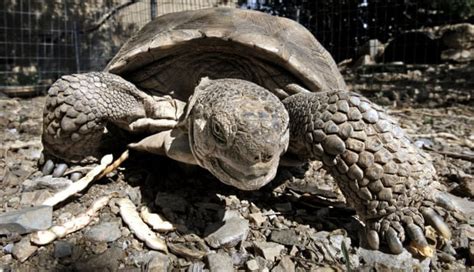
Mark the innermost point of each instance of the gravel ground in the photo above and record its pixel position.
(297, 223)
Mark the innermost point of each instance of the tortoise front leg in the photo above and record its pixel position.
(172, 143)
(382, 174)
(79, 107)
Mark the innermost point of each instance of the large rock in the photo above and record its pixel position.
(389, 262)
(219, 262)
(459, 36)
(26, 220)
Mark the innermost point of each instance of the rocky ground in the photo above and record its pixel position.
(298, 223)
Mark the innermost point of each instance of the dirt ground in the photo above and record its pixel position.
(297, 223)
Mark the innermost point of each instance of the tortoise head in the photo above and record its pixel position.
(238, 131)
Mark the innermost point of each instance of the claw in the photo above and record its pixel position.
(418, 241)
(437, 222)
(416, 235)
(393, 242)
(373, 239)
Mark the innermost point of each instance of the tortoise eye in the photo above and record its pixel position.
(218, 132)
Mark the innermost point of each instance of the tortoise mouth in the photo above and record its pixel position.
(244, 179)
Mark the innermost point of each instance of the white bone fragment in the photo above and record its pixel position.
(130, 216)
(155, 221)
(44, 237)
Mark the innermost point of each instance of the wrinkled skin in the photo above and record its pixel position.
(238, 131)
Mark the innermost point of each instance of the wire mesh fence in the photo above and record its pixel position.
(41, 40)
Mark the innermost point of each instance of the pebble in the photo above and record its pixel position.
(285, 265)
(219, 262)
(46, 182)
(8, 248)
(158, 263)
(23, 249)
(252, 265)
(230, 234)
(269, 250)
(26, 220)
(286, 237)
(257, 218)
(62, 249)
(107, 261)
(34, 198)
(104, 232)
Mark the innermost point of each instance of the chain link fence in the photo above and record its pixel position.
(41, 40)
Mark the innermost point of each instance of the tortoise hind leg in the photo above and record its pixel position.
(382, 174)
(79, 107)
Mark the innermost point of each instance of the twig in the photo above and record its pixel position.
(454, 155)
(106, 166)
(107, 15)
(80, 184)
(130, 216)
(44, 237)
(115, 164)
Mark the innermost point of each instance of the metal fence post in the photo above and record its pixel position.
(153, 9)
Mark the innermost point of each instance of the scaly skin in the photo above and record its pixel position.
(78, 108)
(381, 173)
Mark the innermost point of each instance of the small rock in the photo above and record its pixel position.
(62, 249)
(231, 214)
(196, 267)
(268, 250)
(219, 262)
(46, 182)
(107, 261)
(257, 218)
(4, 260)
(99, 247)
(135, 195)
(466, 185)
(159, 263)
(285, 265)
(285, 237)
(8, 248)
(230, 234)
(34, 198)
(401, 262)
(252, 265)
(23, 249)
(26, 220)
(104, 232)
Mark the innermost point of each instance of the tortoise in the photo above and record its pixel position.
(240, 93)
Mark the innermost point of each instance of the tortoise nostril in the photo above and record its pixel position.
(266, 157)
